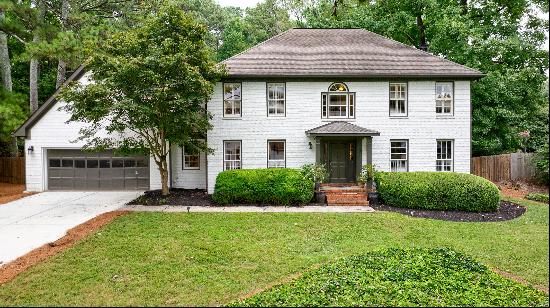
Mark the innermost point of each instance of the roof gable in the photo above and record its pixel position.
(342, 53)
(340, 128)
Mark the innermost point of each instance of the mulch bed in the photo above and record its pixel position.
(10, 270)
(11, 192)
(506, 211)
(183, 197)
(177, 196)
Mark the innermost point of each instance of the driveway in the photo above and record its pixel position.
(31, 222)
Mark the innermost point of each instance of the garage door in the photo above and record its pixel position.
(78, 170)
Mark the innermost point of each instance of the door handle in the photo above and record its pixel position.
(137, 172)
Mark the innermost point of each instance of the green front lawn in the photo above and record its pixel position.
(215, 258)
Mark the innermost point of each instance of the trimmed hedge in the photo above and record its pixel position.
(537, 197)
(438, 191)
(262, 186)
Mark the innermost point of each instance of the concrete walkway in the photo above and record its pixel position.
(251, 209)
(30, 222)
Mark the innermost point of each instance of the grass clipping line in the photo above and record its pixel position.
(10, 270)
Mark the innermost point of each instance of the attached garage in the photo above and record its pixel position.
(79, 170)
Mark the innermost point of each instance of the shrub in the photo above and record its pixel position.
(537, 197)
(367, 173)
(317, 173)
(262, 186)
(542, 163)
(438, 191)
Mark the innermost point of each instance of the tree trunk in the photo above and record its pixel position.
(33, 74)
(5, 64)
(62, 65)
(5, 71)
(464, 5)
(422, 33)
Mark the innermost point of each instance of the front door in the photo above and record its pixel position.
(342, 161)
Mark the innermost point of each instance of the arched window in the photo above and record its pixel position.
(338, 102)
(338, 87)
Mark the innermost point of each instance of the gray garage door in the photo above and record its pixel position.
(78, 170)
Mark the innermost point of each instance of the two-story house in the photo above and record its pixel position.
(343, 97)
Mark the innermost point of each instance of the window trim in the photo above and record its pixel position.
(407, 153)
(406, 114)
(452, 159)
(325, 109)
(284, 146)
(223, 100)
(452, 113)
(183, 167)
(241, 154)
(267, 99)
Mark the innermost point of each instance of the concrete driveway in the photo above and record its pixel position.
(33, 221)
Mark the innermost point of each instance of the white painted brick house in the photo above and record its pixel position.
(343, 97)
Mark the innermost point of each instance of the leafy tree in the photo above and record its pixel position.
(500, 38)
(12, 114)
(149, 88)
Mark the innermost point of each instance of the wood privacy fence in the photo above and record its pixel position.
(504, 167)
(12, 170)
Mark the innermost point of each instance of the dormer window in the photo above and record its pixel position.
(338, 102)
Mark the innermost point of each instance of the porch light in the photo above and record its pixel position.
(310, 145)
(30, 149)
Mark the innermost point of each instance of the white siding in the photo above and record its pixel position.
(303, 112)
(52, 132)
(190, 179)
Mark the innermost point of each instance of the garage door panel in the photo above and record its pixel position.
(75, 169)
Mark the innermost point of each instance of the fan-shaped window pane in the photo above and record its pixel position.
(338, 87)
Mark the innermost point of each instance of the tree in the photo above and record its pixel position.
(502, 39)
(150, 88)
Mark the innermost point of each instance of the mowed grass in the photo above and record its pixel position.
(193, 259)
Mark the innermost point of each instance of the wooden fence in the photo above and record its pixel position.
(504, 167)
(12, 170)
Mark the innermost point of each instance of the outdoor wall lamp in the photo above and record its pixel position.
(310, 145)
(30, 149)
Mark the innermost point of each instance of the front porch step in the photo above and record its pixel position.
(341, 194)
(355, 203)
(344, 191)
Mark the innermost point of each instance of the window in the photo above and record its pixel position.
(275, 99)
(398, 99)
(232, 99)
(276, 154)
(399, 155)
(232, 155)
(191, 159)
(444, 98)
(338, 102)
(444, 160)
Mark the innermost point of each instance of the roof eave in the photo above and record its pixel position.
(343, 134)
(367, 77)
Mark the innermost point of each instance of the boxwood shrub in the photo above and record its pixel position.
(262, 186)
(438, 191)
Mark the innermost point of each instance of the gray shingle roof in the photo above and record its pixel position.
(340, 52)
(340, 128)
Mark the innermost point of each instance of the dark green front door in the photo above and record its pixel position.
(341, 161)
